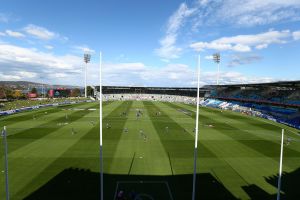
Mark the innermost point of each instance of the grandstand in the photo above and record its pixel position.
(277, 101)
(286, 94)
(182, 91)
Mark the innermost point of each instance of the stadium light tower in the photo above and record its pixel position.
(217, 59)
(87, 59)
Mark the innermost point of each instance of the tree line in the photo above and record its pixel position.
(9, 93)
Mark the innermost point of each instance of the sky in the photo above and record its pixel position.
(149, 43)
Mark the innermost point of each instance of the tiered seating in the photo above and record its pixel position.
(283, 115)
(276, 100)
(150, 97)
(265, 95)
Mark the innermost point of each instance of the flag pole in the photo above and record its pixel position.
(280, 165)
(196, 133)
(100, 112)
(4, 134)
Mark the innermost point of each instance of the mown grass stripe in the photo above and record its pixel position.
(28, 115)
(113, 135)
(257, 144)
(232, 156)
(27, 136)
(39, 119)
(177, 137)
(252, 120)
(20, 117)
(84, 153)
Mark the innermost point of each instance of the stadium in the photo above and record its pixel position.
(149, 100)
(148, 144)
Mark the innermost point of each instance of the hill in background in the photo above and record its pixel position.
(24, 85)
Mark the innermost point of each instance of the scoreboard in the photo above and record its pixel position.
(59, 92)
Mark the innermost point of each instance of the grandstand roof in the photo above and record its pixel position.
(272, 84)
(186, 91)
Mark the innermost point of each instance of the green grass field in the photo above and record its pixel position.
(54, 153)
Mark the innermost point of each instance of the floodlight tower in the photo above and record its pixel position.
(87, 59)
(217, 59)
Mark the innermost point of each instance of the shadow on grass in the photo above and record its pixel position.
(289, 187)
(83, 184)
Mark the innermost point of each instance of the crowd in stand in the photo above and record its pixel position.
(288, 116)
(279, 102)
(151, 97)
(282, 95)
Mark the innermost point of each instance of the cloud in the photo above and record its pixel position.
(121, 58)
(296, 35)
(246, 12)
(200, 46)
(18, 63)
(209, 13)
(2, 34)
(49, 47)
(39, 32)
(242, 59)
(244, 43)
(26, 74)
(58, 75)
(134, 67)
(256, 12)
(20, 56)
(17, 75)
(139, 74)
(232, 77)
(168, 48)
(85, 49)
(210, 57)
(170, 75)
(9, 77)
(178, 18)
(14, 34)
(168, 52)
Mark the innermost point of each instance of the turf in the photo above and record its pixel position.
(52, 156)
